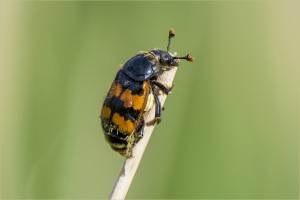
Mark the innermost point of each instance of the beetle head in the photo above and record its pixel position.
(168, 60)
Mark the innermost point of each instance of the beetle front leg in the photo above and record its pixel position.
(162, 87)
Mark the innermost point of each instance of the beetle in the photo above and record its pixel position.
(132, 93)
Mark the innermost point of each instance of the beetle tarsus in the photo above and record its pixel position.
(157, 120)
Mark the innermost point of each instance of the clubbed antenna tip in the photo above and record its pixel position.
(171, 32)
(188, 57)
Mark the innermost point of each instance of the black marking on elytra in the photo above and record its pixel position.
(117, 106)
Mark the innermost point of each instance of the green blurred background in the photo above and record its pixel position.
(230, 128)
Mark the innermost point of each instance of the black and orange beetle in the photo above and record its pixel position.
(132, 94)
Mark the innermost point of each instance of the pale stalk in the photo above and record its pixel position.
(130, 166)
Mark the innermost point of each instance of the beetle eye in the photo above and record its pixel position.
(165, 59)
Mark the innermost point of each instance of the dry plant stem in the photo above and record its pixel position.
(130, 166)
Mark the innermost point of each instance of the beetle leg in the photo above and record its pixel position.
(157, 109)
(157, 118)
(162, 87)
(141, 132)
(140, 128)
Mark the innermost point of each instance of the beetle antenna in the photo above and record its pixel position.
(188, 57)
(171, 34)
